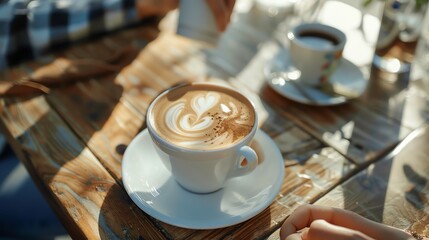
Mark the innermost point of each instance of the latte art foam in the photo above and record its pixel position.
(201, 117)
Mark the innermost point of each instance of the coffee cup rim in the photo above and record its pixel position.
(171, 145)
(335, 32)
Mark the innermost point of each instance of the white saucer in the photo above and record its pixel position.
(347, 81)
(152, 188)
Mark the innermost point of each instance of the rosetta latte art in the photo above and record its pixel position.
(207, 122)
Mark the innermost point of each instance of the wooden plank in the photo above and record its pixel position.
(394, 190)
(104, 123)
(87, 199)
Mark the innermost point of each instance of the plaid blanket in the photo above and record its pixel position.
(29, 28)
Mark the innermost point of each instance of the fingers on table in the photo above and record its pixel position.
(302, 217)
(334, 219)
(322, 230)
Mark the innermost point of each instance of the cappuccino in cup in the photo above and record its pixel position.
(202, 133)
(203, 117)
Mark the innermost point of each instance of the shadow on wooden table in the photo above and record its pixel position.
(109, 215)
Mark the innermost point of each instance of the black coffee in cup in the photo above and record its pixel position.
(318, 39)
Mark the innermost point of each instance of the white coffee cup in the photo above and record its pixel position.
(315, 50)
(197, 21)
(204, 170)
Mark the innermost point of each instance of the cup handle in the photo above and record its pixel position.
(252, 162)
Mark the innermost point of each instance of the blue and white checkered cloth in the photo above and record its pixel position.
(28, 28)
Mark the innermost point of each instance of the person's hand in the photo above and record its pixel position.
(311, 222)
(222, 10)
(148, 8)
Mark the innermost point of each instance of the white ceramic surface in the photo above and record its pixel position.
(153, 189)
(315, 57)
(204, 170)
(347, 81)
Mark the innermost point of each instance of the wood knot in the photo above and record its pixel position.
(120, 149)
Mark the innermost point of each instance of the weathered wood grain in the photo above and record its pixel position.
(85, 196)
(353, 129)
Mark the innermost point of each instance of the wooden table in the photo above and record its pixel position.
(368, 155)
